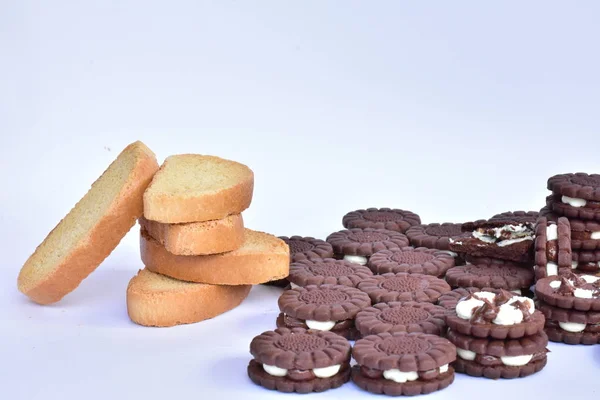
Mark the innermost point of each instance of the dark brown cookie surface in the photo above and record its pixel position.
(435, 236)
(402, 317)
(557, 334)
(410, 260)
(528, 345)
(303, 248)
(365, 242)
(490, 273)
(327, 271)
(531, 327)
(323, 303)
(403, 287)
(565, 315)
(411, 388)
(591, 211)
(518, 216)
(585, 234)
(552, 252)
(496, 372)
(576, 185)
(582, 256)
(578, 292)
(392, 219)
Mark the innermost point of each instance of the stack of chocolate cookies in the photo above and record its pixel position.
(497, 333)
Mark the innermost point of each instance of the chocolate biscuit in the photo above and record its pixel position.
(578, 185)
(324, 307)
(557, 334)
(327, 271)
(435, 236)
(407, 316)
(365, 242)
(403, 287)
(517, 216)
(381, 218)
(585, 234)
(297, 360)
(413, 261)
(583, 257)
(403, 363)
(591, 210)
(492, 273)
(570, 291)
(305, 248)
(552, 254)
(533, 344)
(503, 371)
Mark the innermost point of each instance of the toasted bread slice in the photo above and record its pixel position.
(261, 258)
(157, 300)
(92, 229)
(198, 238)
(197, 188)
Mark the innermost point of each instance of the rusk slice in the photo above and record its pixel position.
(92, 229)
(157, 300)
(197, 188)
(261, 258)
(198, 238)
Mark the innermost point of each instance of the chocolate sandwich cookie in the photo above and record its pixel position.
(325, 308)
(327, 271)
(357, 245)
(299, 360)
(392, 219)
(499, 316)
(552, 253)
(517, 216)
(407, 316)
(575, 195)
(303, 248)
(489, 272)
(570, 291)
(571, 326)
(495, 359)
(413, 261)
(403, 364)
(450, 299)
(502, 239)
(436, 236)
(585, 234)
(404, 287)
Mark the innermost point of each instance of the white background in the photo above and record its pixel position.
(455, 110)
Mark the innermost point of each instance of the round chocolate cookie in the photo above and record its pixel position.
(297, 360)
(532, 344)
(552, 248)
(488, 272)
(403, 363)
(578, 185)
(325, 307)
(571, 326)
(582, 257)
(496, 372)
(518, 216)
(403, 287)
(407, 316)
(305, 248)
(574, 208)
(435, 236)
(570, 291)
(327, 271)
(413, 261)
(585, 234)
(392, 219)
(365, 242)
(450, 299)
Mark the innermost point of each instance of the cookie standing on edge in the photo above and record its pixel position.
(575, 195)
(325, 308)
(297, 360)
(403, 364)
(357, 245)
(381, 218)
(404, 287)
(413, 261)
(488, 272)
(327, 271)
(409, 316)
(552, 247)
(437, 236)
(585, 235)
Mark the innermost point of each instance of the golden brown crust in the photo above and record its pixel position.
(268, 260)
(180, 304)
(198, 238)
(100, 241)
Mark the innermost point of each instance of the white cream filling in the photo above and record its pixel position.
(508, 314)
(551, 232)
(589, 278)
(508, 242)
(551, 269)
(320, 325)
(293, 285)
(572, 327)
(325, 372)
(453, 254)
(574, 264)
(400, 377)
(362, 260)
(497, 233)
(483, 237)
(555, 284)
(444, 369)
(464, 309)
(466, 354)
(517, 291)
(573, 201)
(595, 235)
(583, 293)
(516, 361)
